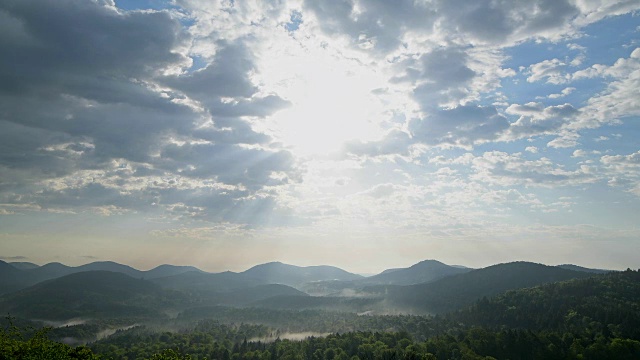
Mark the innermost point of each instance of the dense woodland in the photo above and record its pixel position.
(590, 315)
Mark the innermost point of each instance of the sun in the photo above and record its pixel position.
(332, 102)
(328, 111)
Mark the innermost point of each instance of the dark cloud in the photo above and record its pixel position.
(462, 126)
(378, 25)
(226, 75)
(459, 126)
(89, 117)
(443, 77)
(81, 47)
(383, 24)
(230, 164)
(501, 21)
(535, 119)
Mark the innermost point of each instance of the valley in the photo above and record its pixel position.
(111, 307)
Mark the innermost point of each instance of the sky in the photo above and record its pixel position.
(365, 134)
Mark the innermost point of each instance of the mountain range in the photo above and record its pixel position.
(97, 289)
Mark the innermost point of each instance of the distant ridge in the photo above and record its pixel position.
(15, 277)
(292, 275)
(207, 283)
(422, 272)
(454, 292)
(584, 269)
(12, 278)
(23, 265)
(90, 293)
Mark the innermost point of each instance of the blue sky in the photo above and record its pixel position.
(362, 134)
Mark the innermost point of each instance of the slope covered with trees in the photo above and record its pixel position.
(91, 293)
(593, 317)
(458, 291)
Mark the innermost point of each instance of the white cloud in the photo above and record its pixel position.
(500, 168)
(623, 171)
(551, 71)
(566, 91)
(619, 99)
(536, 120)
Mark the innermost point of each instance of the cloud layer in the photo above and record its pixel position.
(221, 121)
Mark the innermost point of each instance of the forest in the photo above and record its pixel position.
(592, 315)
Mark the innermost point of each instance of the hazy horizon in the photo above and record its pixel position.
(363, 134)
(366, 274)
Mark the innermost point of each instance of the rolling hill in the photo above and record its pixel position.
(422, 272)
(454, 292)
(594, 302)
(16, 276)
(88, 294)
(12, 278)
(584, 269)
(23, 265)
(296, 276)
(207, 283)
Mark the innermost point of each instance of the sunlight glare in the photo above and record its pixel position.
(331, 104)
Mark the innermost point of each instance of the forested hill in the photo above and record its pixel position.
(422, 272)
(457, 291)
(607, 304)
(597, 317)
(16, 276)
(279, 273)
(88, 294)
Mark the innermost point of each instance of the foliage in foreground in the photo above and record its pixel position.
(14, 345)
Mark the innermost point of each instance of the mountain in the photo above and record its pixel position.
(168, 270)
(86, 294)
(422, 272)
(279, 273)
(258, 293)
(206, 283)
(12, 278)
(389, 271)
(454, 292)
(21, 275)
(612, 298)
(108, 266)
(23, 265)
(50, 271)
(584, 269)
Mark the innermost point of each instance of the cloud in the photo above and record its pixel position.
(551, 71)
(619, 99)
(579, 153)
(101, 115)
(395, 142)
(377, 26)
(505, 21)
(534, 119)
(461, 126)
(566, 91)
(500, 168)
(443, 77)
(623, 171)
(14, 258)
(227, 75)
